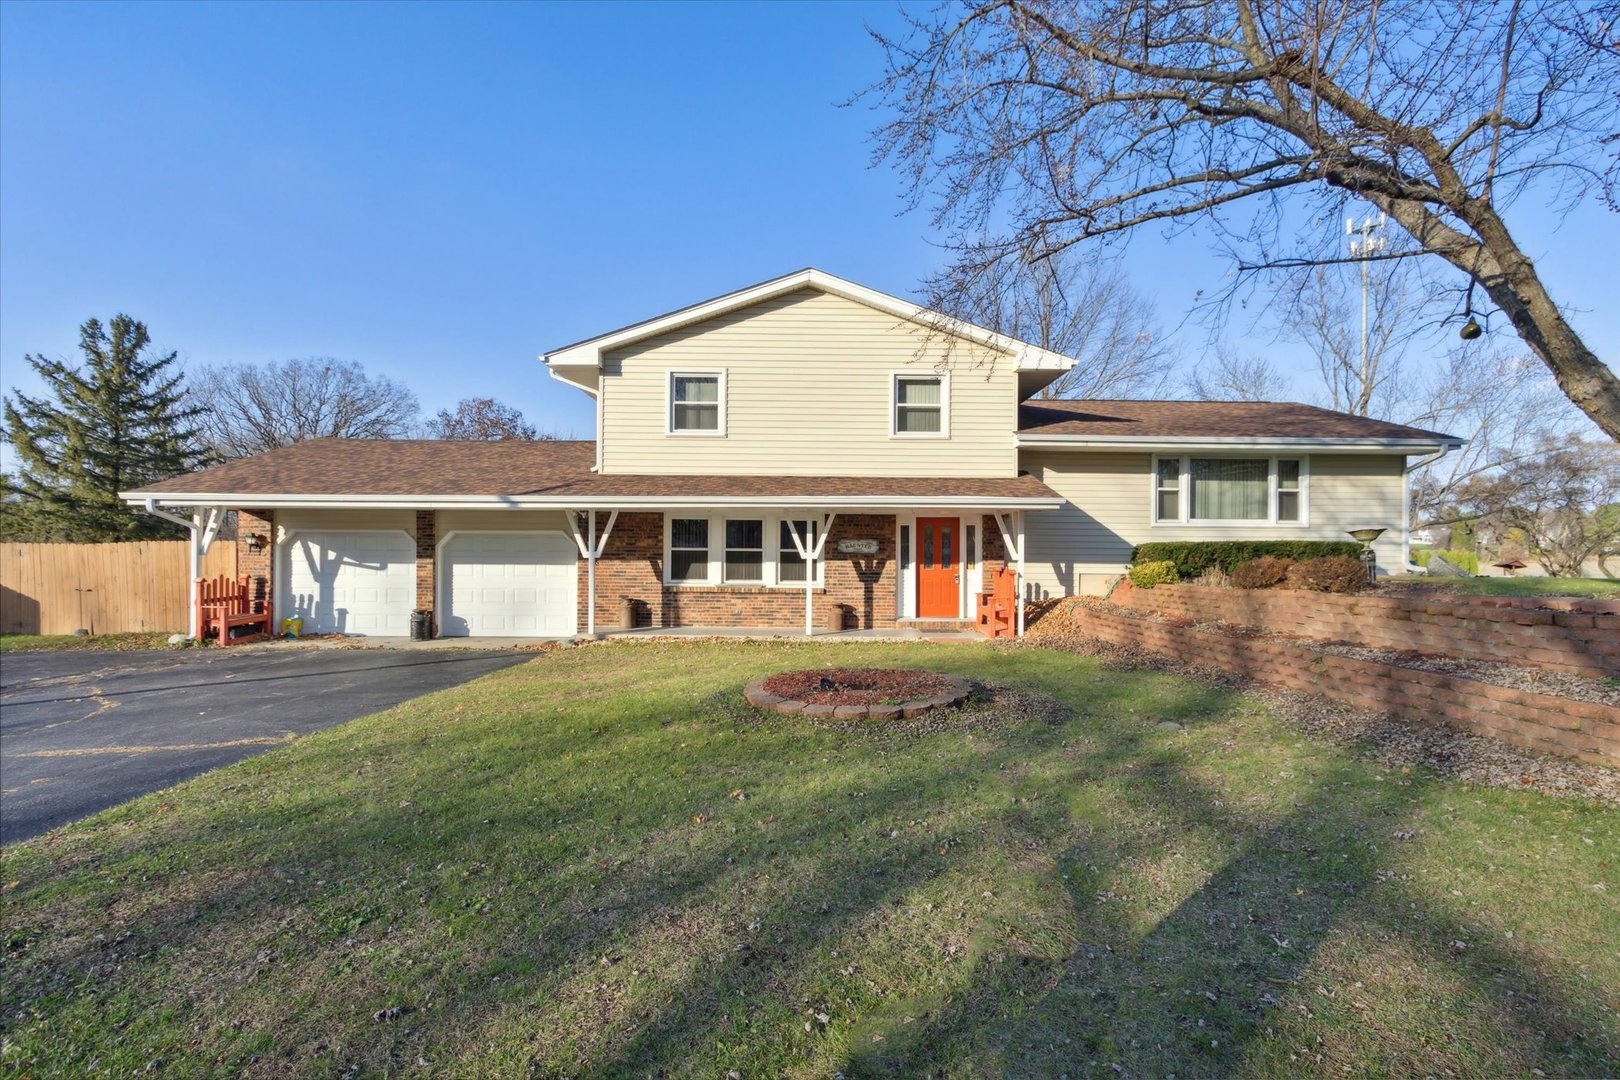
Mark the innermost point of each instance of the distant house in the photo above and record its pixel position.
(805, 441)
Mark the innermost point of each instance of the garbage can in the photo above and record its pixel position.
(421, 625)
(627, 613)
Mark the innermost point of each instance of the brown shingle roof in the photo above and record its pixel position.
(536, 469)
(1206, 419)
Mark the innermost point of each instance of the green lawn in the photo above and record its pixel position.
(599, 863)
(1596, 588)
(111, 642)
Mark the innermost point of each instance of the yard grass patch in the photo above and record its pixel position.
(592, 864)
(129, 642)
(1592, 588)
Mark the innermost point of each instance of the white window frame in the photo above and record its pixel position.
(1184, 516)
(716, 563)
(669, 402)
(774, 548)
(764, 549)
(709, 575)
(944, 379)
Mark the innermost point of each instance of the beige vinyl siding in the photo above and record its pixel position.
(808, 380)
(502, 521)
(343, 520)
(1110, 511)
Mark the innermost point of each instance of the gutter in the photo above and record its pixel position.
(597, 502)
(1148, 442)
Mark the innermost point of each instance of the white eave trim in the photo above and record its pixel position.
(1159, 442)
(588, 502)
(588, 354)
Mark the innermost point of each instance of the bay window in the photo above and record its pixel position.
(1259, 490)
(757, 551)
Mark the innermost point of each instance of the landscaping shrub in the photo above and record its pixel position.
(1332, 573)
(1193, 557)
(1145, 575)
(1266, 572)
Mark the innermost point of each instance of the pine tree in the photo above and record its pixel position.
(112, 424)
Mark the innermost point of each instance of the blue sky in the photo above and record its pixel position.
(444, 192)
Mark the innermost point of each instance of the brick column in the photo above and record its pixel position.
(256, 564)
(427, 537)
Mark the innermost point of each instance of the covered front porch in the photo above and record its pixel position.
(826, 570)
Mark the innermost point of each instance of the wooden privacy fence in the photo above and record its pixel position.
(103, 588)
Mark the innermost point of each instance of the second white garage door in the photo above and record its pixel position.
(351, 582)
(509, 584)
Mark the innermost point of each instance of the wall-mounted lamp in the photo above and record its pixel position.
(255, 542)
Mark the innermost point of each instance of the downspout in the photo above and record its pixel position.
(1406, 506)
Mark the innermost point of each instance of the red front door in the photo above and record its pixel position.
(939, 575)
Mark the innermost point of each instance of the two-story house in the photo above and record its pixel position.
(802, 446)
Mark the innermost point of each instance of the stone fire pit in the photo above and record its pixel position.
(857, 693)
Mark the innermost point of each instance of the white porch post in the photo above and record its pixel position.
(1020, 573)
(204, 526)
(590, 578)
(811, 554)
(590, 547)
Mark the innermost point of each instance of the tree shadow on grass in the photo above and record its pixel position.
(538, 895)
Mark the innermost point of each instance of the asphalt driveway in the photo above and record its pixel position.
(83, 731)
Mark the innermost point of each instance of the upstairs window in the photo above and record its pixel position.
(921, 406)
(697, 403)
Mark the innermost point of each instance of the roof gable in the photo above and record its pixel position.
(589, 353)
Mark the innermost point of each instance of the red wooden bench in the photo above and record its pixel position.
(225, 604)
(998, 608)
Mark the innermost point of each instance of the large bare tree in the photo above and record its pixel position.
(1229, 375)
(1086, 310)
(1041, 124)
(247, 409)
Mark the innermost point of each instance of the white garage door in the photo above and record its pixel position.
(517, 584)
(351, 582)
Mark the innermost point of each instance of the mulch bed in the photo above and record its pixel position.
(857, 686)
(989, 709)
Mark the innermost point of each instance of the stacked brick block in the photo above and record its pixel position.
(427, 538)
(256, 564)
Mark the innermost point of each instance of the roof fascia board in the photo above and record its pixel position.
(589, 353)
(1239, 442)
(604, 502)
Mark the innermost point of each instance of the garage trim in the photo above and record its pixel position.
(441, 602)
(281, 572)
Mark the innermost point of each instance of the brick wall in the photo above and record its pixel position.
(1539, 722)
(256, 564)
(632, 565)
(427, 537)
(1579, 638)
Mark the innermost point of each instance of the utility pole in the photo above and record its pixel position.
(1366, 240)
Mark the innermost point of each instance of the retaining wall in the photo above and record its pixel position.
(1524, 718)
(1577, 637)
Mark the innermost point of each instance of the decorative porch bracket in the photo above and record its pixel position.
(204, 526)
(590, 549)
(1016, 550)
(811, 555)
